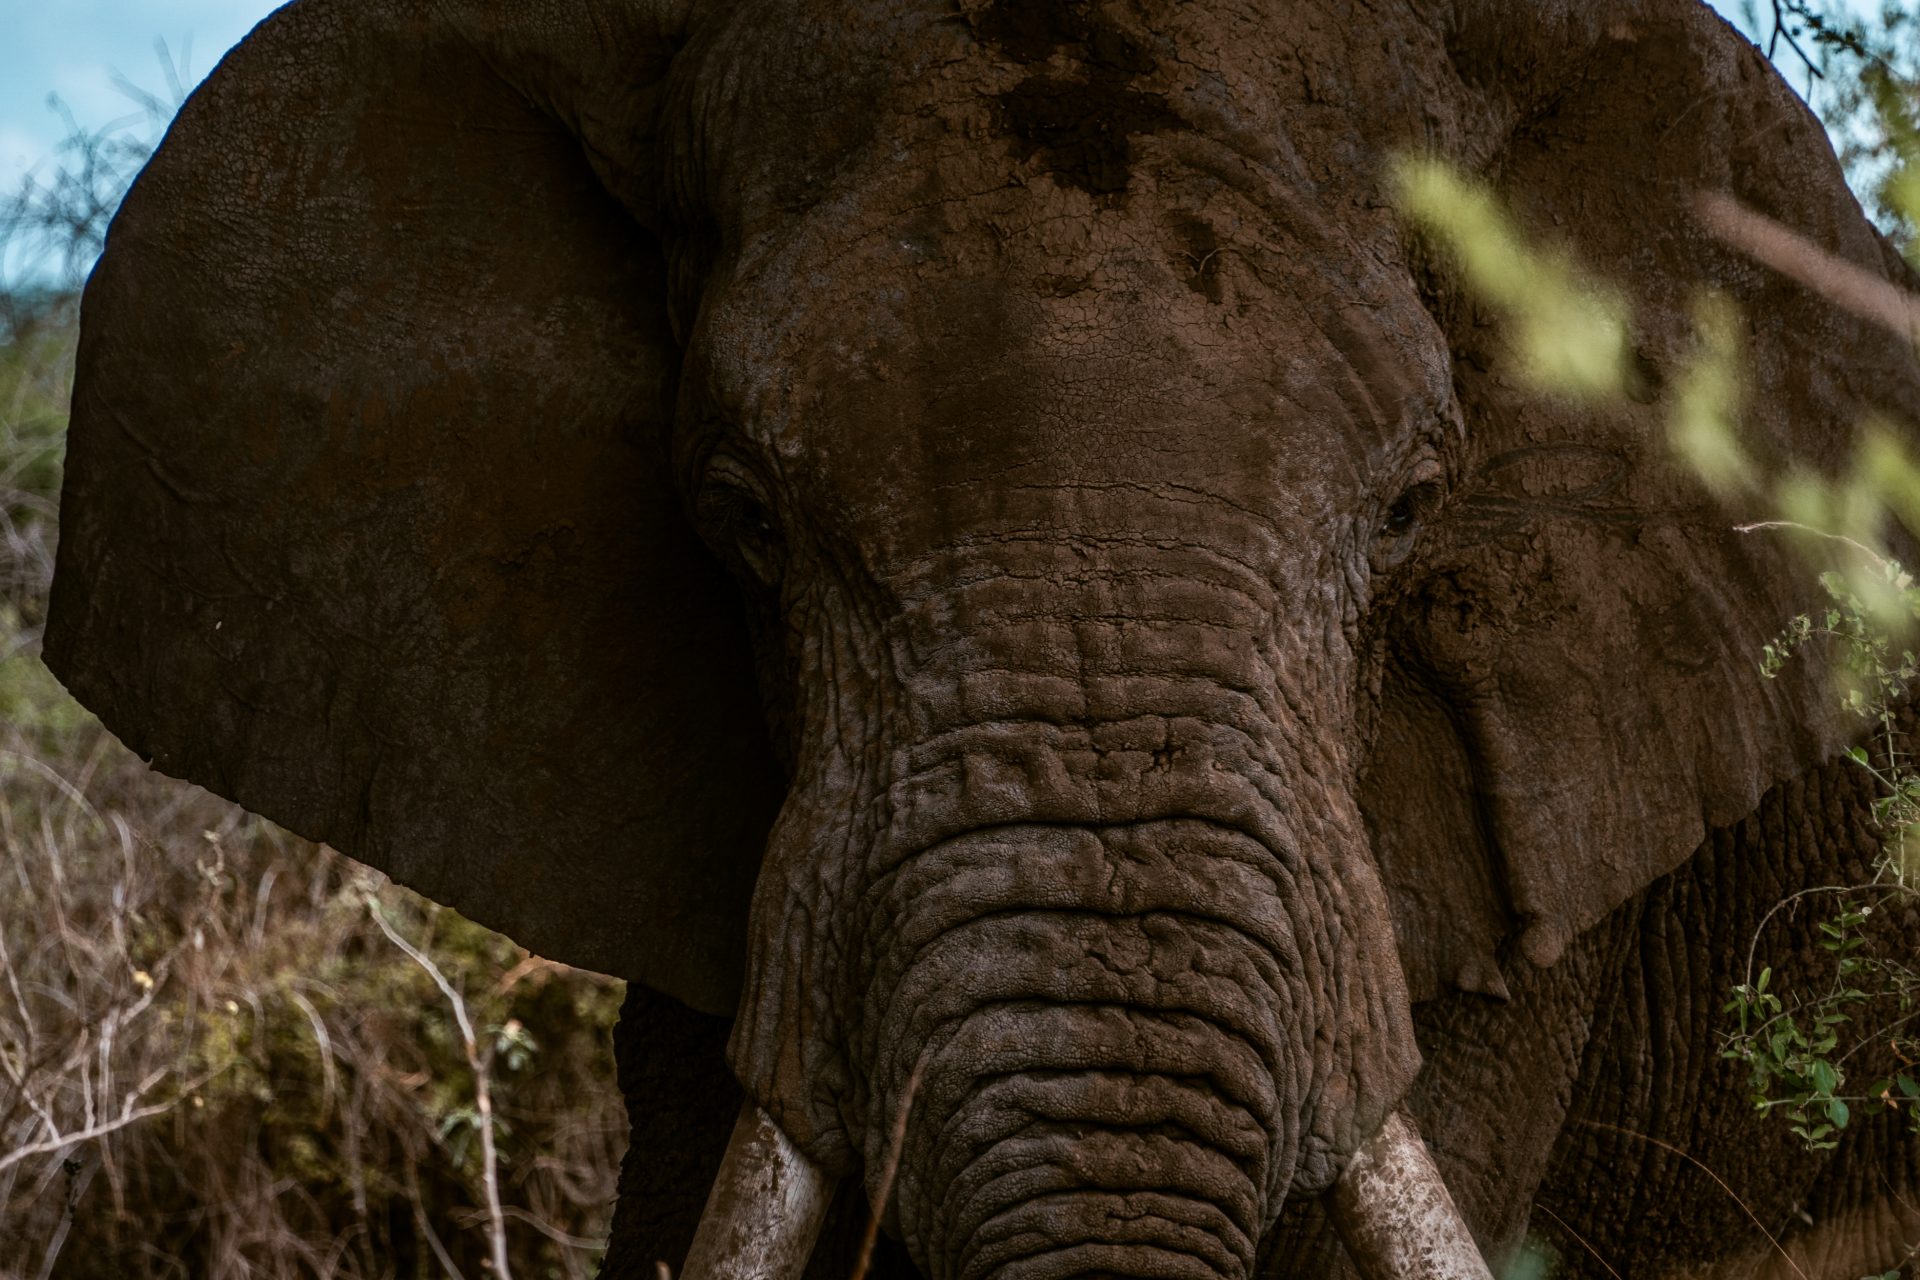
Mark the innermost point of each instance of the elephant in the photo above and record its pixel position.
(962, 548)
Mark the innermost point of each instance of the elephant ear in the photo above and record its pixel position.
(1573, 698)
(368, 520)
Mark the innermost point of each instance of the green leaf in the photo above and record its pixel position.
(1838, 1113)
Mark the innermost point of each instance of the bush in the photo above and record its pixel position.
(215, 1060)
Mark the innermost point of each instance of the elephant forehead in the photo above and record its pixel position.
(967, 297)
(1245, 353)
(786, 97)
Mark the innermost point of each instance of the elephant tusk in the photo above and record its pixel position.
(1396, 1216)
(765, 1209)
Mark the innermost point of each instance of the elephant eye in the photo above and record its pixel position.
(1402, 523)
(744, 532)
(1404, 517)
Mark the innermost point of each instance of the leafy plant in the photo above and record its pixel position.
(1799, 1039)
(1796, 1044)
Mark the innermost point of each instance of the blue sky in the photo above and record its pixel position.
(73, 48)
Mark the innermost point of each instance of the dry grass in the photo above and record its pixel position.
(215, 1061)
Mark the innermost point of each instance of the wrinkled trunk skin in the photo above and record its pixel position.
(1112, 1079)
(1105, 900)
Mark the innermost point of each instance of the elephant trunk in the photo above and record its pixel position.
(1050, 1164)
(1113, 1029)
(1095, 878)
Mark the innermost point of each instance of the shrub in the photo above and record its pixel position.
(215, 1061)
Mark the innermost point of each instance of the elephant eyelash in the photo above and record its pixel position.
(741, 527)
(1410, 509)
(1400, 526)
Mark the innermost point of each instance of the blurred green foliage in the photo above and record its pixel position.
(1569, 332)
(1566, 333)
(1794, 1043)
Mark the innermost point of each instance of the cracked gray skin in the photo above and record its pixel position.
(966, 540)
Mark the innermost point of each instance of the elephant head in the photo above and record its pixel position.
(963, 534)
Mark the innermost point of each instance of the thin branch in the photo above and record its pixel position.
(329, 1081)
(1840, 282)
(129, 1114)
(1796, 525)
(482, 1090)
(1782, 30)
(552, 1232)
(1578, 1238)
(1718, 1181)
(1885, 1029)
(425, 1227)
(895, 1141)
(1753, 946)
(78, 1179)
